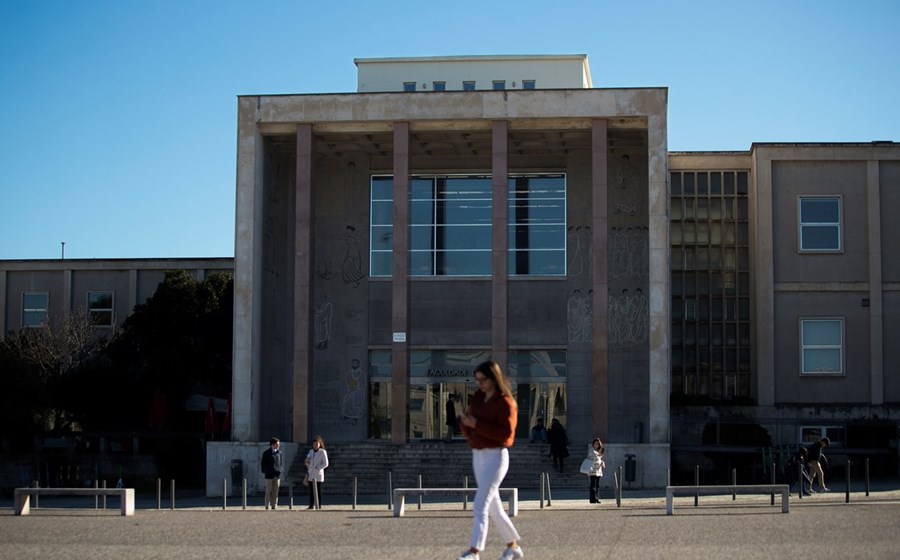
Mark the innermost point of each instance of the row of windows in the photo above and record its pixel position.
(451, 224)
(821, 347)
(99, 305)
(467, 85)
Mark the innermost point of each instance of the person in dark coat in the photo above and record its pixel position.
(797, 463)
(271, 463)
(451, 417)
(559, 442)
(814, 460)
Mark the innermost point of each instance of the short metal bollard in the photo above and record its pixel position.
(354, 492)
(390, 492)
(172, 494)
(224, 493)
(466, 496)
(244, 494)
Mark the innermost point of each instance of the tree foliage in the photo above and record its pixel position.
(69, 374)
(40, 364)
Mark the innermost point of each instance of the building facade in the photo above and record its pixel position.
(371, 314)
(458, 209)
(107, 289)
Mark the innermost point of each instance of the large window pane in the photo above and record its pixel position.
(820, 224)
(34, 308)
(822, 346)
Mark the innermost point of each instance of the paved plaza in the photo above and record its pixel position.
(748, 527)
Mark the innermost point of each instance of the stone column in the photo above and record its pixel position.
(245, 382)
(500, 244)
(876, 313)
(400, 288)
(660, 293)
(600, 279)
(303, 268)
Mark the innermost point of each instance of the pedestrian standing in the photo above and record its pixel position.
(489, 424)
(316, 462)
(271, 467)
(595, 454)
(451, 422)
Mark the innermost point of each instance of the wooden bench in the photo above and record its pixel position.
(401, 493)
(672, 491)
(22, 496)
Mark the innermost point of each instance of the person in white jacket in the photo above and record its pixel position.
(595, 454)
(316, 462)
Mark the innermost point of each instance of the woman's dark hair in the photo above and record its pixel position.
(320, 440)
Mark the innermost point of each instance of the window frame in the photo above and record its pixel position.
(841, 372)
(468, 85)
(529, 84)
(45, 310)
(801, 225)
(93, 311)
(498, 85)
(406, 87)
(439, 85)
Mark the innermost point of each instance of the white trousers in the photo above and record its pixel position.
(490, 466)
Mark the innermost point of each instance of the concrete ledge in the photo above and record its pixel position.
(671, 491)
(22, 496)
(401, 493)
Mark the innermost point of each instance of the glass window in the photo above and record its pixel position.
(822, 346)
(409, 86)
(451, 223)
(439, 86)
(537, 225)
(498, 84)
(450, 226)
(820, 224)
(381, 232)
(528, 84)
(34, 308)
(100, 308)
(469, 86)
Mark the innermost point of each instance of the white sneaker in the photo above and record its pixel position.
(468, 555)
(512, 553)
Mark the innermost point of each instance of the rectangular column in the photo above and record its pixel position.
(876, 313)
(303, 297)
(245, 381)
(400, 288)
(600, 279)
(500, 244)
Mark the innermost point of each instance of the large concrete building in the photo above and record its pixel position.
(456, 209)
(545, 225)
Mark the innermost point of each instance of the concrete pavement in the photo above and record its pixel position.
(749, 527)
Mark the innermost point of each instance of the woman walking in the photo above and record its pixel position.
(489, 424)
(316, 462)
(595, 454)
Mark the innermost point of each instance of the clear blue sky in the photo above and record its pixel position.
(118, 118)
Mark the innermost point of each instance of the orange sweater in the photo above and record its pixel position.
(497, 419)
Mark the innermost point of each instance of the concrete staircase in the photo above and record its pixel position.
(440, 464)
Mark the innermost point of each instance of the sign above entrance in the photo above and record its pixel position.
(399, 337)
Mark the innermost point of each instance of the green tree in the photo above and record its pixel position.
(178, 341)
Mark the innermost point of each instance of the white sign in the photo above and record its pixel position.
(399, 337)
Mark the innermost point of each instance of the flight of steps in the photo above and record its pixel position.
(440, 464)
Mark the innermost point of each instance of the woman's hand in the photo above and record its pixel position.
(468, 420)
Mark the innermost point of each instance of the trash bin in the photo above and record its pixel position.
(237, 476)
(630, 467)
